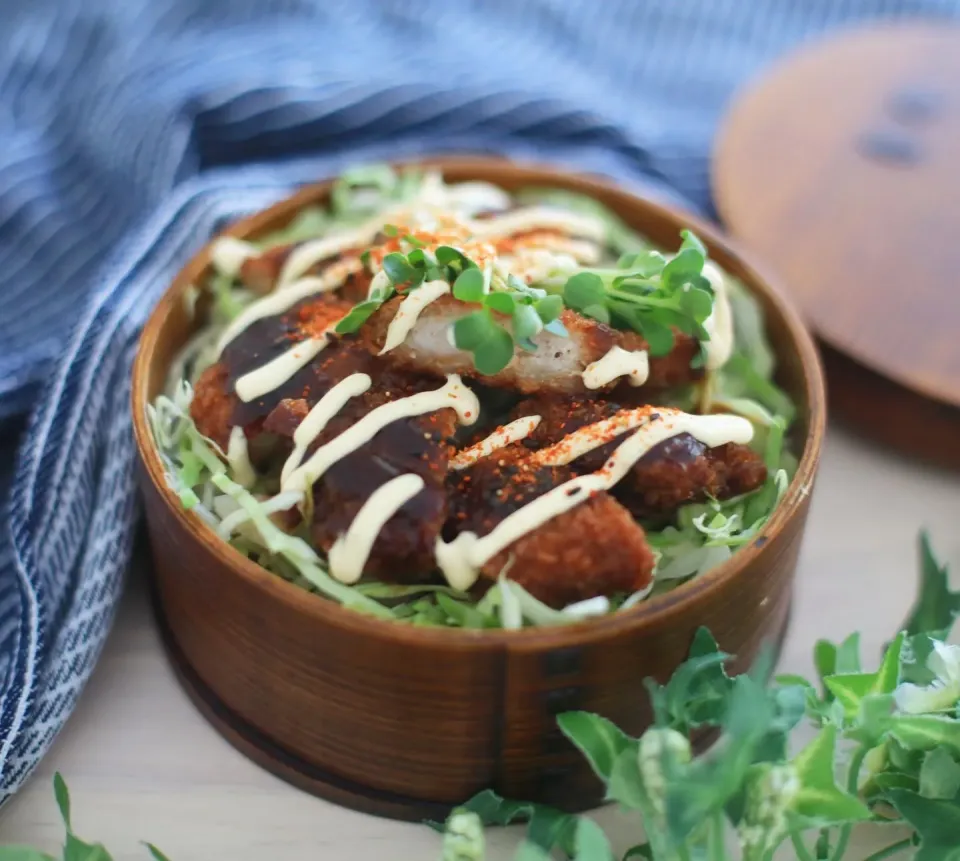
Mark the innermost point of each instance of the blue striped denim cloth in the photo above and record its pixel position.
(129, 130)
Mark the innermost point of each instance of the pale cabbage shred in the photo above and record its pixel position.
(703, 536)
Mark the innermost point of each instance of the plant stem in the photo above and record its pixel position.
(802, 852)
(853, 783)
(717, 848)
(892, 849)
(642, 301)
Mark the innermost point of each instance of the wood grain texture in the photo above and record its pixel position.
(839, 168)
(434, 715)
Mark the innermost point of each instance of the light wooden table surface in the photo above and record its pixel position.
(143, 765)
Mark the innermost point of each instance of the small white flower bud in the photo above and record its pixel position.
(657, 748)
(770, 791)
(463, 837)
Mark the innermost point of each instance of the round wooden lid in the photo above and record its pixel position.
(841, 167)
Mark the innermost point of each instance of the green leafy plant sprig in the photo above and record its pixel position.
(649, 294)
(481, 332)
(886, 752)
(645, 293)
(74, 849)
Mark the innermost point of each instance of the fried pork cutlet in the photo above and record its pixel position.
(593, 549)
(420, 445)
(674, 472)
(216, 408)
(404, 548)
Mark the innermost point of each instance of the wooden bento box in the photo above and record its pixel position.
(407, 721)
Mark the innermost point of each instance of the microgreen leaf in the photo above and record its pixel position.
(526, 324)
(390, 230)
(696, 302)
(549, 308)
(400, 272)
(495, 354)
(659, 338)
(692, 242)
(599, 740)
(417, 259)
(469, 286)
(583, 290)
(472, 330)
(597, 312)
(937, 606)
(358, 315)
(503, 303)
(448, 256)
(491, 345)
(937, 822)
(644, 264)
(685, 268)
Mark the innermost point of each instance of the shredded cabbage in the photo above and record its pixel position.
(702, 536)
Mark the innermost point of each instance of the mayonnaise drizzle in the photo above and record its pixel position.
(466, 197)
(409, 312)
(276, 372)
(461, 559)
(350, 551)
(540, 218)
(634, 364)
(283, 300)
(580, 250)
(453, 394)
(587, 438)
(319, 417)
(517, 430)
(308, 254)
(228, 254)
(720, 322)
(238, 457)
